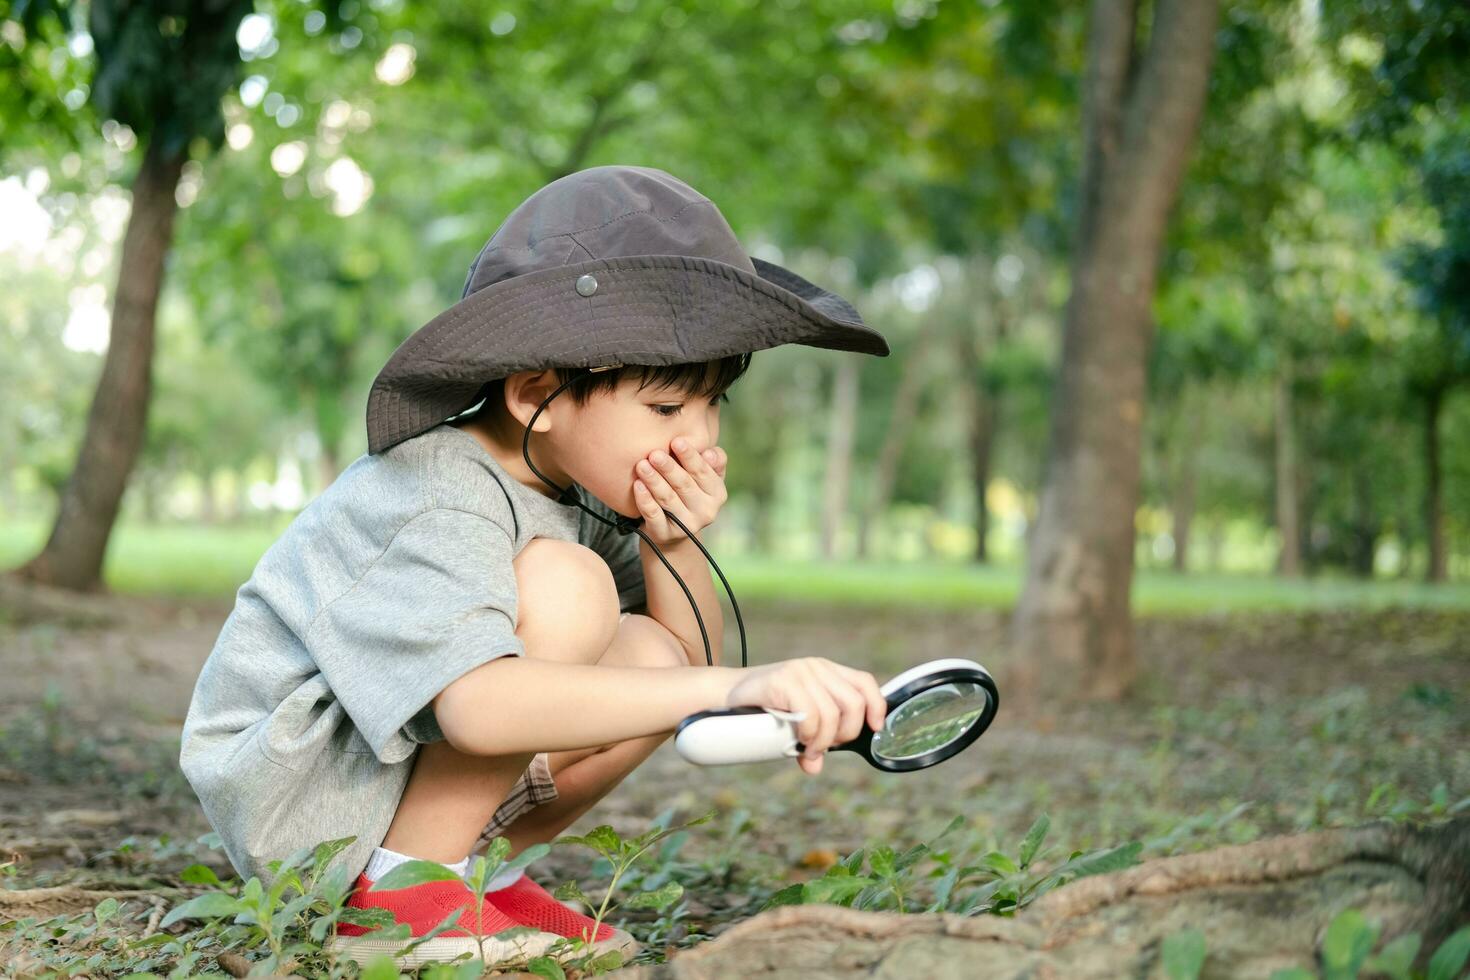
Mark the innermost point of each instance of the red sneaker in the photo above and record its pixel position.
(527, 903)
(423, 907)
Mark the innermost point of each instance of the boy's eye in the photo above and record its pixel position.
(676, 409)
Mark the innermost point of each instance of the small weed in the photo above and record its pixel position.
(621, 855)
(1386, 802)
(1350, 939)
(1005, 884)
(1184, 954)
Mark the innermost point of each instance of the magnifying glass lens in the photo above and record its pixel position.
(930, 720)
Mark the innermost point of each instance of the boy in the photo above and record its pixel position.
(441, 648)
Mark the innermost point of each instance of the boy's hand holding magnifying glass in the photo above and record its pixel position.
(833, 700)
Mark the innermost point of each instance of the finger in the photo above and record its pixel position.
(828, 715)
(666, 496)
(674, 474)
(796, 700)
(851, 701)
(654, 520)
(698, 468)
(800, 693)
(877, 704)
(854, 705)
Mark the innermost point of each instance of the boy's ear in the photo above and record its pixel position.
(524, 393)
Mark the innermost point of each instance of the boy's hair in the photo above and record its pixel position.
(703, 378)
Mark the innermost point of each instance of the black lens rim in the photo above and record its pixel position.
(863, 744)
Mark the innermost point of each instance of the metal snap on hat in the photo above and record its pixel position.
(604, 267)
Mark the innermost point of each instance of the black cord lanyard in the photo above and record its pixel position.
(624, 525)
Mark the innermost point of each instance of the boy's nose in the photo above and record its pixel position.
(698, 438)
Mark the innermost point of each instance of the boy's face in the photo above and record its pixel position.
(599, 444)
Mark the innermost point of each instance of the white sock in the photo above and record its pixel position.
(384, 861)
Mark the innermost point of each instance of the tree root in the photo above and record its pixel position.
(1261, 906)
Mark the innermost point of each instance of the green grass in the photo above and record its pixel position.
(212, 562)
(186, 561)
(949, 586)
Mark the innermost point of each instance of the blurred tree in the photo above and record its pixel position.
(160, 68)
(986, 96)
(208, 414)
(1405, 64)
(1216, 315)
(1141, 112)
(1439, 358)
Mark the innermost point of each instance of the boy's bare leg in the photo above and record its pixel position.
(567, 611)
(444, 807)
(584, 776)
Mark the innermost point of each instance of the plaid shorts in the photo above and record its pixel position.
(534, 788)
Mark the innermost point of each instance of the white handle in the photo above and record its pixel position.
(719, 740)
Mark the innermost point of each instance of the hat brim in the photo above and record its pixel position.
(646, 309)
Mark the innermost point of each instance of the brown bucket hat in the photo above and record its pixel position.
(604, 267)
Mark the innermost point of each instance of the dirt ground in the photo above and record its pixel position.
(1310, 719)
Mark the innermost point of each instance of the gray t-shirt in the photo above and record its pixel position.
(391, 584)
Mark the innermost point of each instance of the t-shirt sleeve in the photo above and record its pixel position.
(438, 602)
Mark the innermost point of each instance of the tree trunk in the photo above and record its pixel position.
(150, 488)
(1261, 907)
(842, 424)
(1365, 525)
(1289, 562)
(983, 412)
(1140, 118)
(242, 492)
(1217, 544)
(905, 407)
(72, 557)
(1306, 506)
(1438, 570)
(208, 507)
(1187, 455)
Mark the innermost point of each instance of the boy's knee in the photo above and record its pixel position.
(567, 588)
(653, 646)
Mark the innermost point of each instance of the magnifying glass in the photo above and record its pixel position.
(935, 710)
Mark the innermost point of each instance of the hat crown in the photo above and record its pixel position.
(605, 212)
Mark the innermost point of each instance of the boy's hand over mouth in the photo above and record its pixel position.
(688, 484)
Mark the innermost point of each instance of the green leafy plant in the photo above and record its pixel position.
(621, 855)
(724, 866)
(292, 927)
(1385, 802)
(95, 941)
(1350, 938)
(1183, 954)
(1005, 883)
(67, 945)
